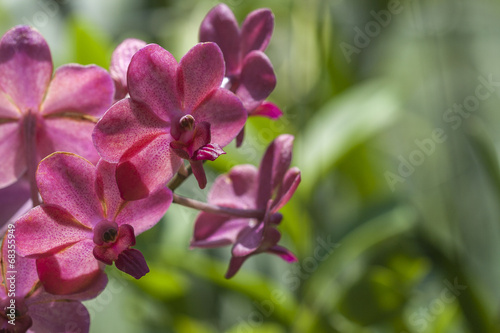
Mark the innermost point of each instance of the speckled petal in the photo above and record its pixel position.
(12, 153)
(120, 60)
(68, 180)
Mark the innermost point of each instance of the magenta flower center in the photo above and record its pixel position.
(13, 311)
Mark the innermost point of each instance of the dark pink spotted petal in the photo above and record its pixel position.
(72, 270)
(124, 125)
(47, 229)
(145, 168)
(225, 114)
(200, 72)
(152, 80)
(68, 180)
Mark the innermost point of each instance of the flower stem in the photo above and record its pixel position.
(180, 177)
(206, 207)
(31, 158)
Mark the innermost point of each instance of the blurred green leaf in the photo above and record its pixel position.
(90, 45)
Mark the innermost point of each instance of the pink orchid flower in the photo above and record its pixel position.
(84, 224)
(175, 111)
(120, 60)
(267, 189)
(25, 303)
(41, 113)
(249, 72)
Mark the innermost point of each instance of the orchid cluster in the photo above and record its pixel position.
(96, 157)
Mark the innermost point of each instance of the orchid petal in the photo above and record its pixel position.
(256, 30)
(257, 80)
(47, 229)
(213, 230)
(8, 110)
(284, 253)
(267, 109)
(144, 214)
(120, 60)
(291, 181)
(145, 168)
(275, 163)
(236, 189)
(124, 125)
(26, 67)
(69, 181)
(199, 173)
(72, 270)
(15, 201)
(249, 241)
(220, 26)
(24, 267)
(132, 261)
(59, 316)
(67, 134)
(86, 90)
(200, 72)
(12, 153)
(225, 114)
(152, 81)
(234, 266)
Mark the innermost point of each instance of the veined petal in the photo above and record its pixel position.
(273, 166)
(12, 153)
(59, 316)
(291, 181)
(237, 189)
(220, 26)
(200, 72)
(257, 80)
(69, 181)
(213, 230)
(47, 229)
(72, 270)
(67, 134)
(25, 67)
(152, 81)
(120, 60)
(124, 125)
(146, 167)
(85, 90)
(256, 30)
(225, 114)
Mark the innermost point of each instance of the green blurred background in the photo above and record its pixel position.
(395, 110)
